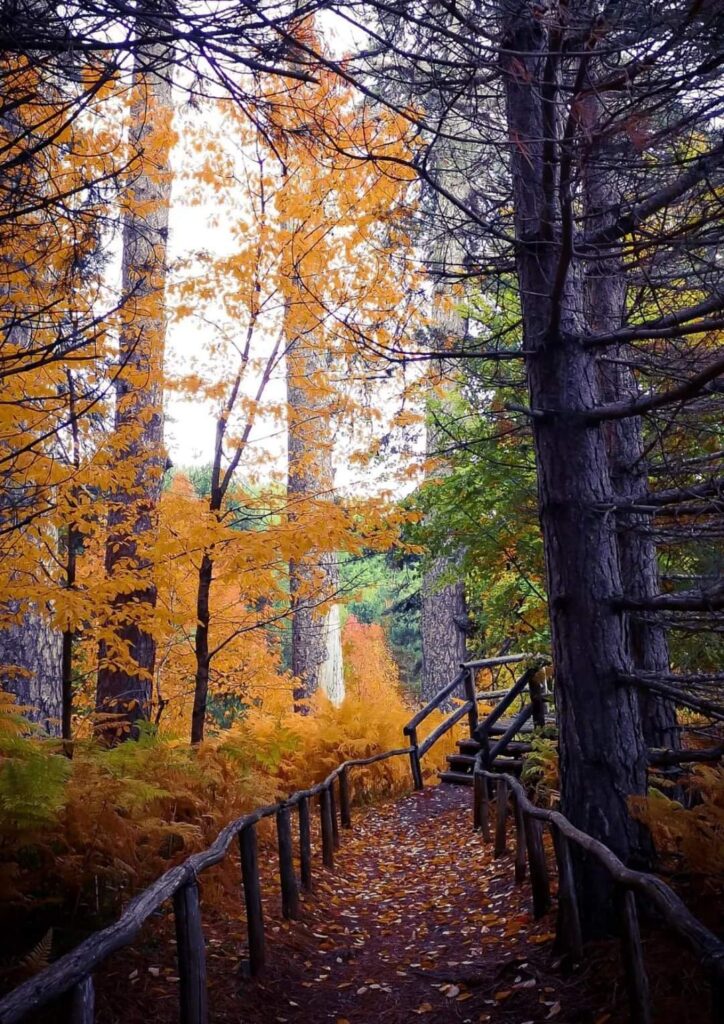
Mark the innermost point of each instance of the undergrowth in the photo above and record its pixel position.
(689, 839)
(79, 835)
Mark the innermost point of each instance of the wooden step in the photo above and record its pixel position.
(461, 762)
(456, 778)
(505, 723)
(518, 747)
(510, 765)
(466, 762)
(471, 747)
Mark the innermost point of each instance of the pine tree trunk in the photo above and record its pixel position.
(443, 612)
(31, 668)
(127, 648)
(603, 754)
(442, 623)
(313, 579)
(605, 310)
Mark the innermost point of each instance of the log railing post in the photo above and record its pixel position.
(287, 878)
(537, 865)
(415, 761)
(536, 690)
(520, 841)
(484, 741)
(83, 1002)
(252, 898)
(469, 687)
(633, 958)
(325, 817)
(481, 806)
(333, 811)
(501, 811)
(568, 924)
(305, 845)
(345, 812)
(191, 950)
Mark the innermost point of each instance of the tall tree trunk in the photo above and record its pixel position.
(30, 648)
(313, 578)
(30, 665)
(603, 754)
(443, 622)
(605, 311)
(127, 648)
(201, 648)
(443, 608)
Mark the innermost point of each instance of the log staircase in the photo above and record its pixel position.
(500, 743)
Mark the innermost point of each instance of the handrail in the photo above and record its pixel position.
(434, 703)
(465, 666)
(708, 948)
(466, 676)
(499, 711)
(445, 726)
(75, 967)
(515, 726)
(503, 659)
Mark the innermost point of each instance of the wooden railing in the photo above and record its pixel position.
(72, 974)
(529, 851)
(465, 679)
(535, 709)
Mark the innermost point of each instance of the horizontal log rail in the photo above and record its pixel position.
(486, 695)
(664, 758)
(709, 708)
(72, 974)
(503, 659)
(433, 704)
(529, 824)
(500, 746)
(445, 726)
(466, 679)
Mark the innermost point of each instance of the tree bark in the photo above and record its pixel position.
(442, 622)
(313, 578)
(603, 754)
(605, 311)
(31, 665)
(201, 648)
(128, 649)
(443, 617)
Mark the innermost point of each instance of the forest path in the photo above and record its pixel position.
(418, 922)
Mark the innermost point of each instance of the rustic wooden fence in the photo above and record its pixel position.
(465, 679)
(530, 822)
(71, 976)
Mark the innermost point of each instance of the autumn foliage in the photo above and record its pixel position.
(88, 831)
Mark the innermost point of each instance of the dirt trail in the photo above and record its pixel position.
(417, 923)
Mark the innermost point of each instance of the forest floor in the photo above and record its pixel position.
(417, 922)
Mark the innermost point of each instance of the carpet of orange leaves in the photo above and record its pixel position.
(417, 922)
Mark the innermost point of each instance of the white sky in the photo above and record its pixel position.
(190, 422)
